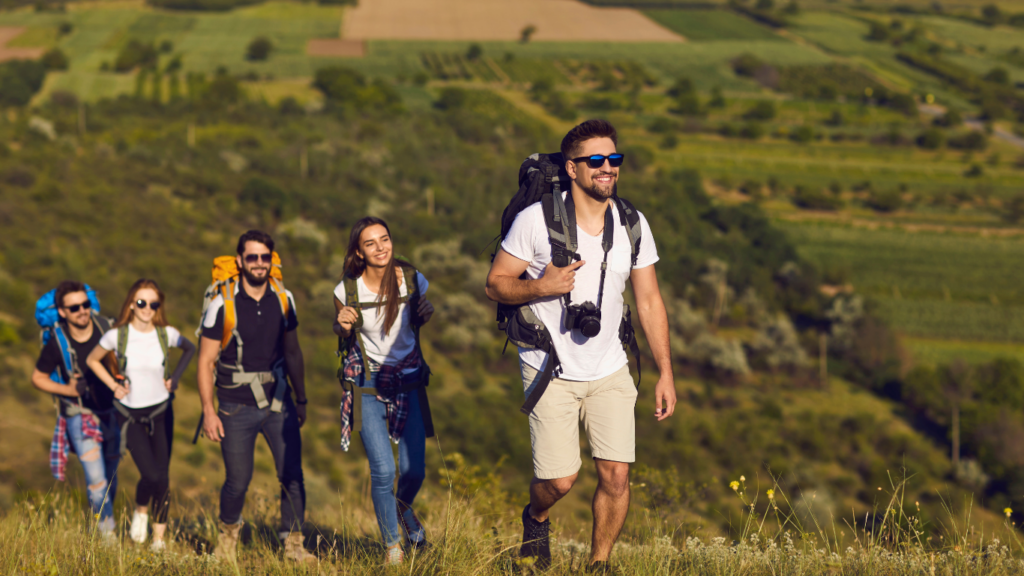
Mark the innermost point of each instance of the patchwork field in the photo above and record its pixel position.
(554, 20)
(710, 25)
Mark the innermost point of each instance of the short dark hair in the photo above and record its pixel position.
(255, 236)
(588, 130)
(67, 287)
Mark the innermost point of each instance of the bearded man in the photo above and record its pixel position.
(250, 361)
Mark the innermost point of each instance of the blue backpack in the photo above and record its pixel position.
(51, 328)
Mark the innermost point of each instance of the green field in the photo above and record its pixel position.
(698, 25)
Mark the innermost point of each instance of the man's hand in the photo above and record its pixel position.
(213, 427)
(347, 316)
(558, 281)
(300, 412)
(425, 310)
(122, 390)
(664, 398)
(72, 387)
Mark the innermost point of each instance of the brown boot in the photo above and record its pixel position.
(295, 551)
(227, 541)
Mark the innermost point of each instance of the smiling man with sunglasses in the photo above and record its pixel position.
(252, 361)
(86, 404)
(579, 303)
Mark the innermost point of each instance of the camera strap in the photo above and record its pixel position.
(607, 241)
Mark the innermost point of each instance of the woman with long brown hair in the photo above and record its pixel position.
(144, 389)
(380, 306)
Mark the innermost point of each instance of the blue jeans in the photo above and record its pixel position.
(100, 466)
(411, 460)
(242, 424)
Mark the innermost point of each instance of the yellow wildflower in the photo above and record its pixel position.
(734, 485)
(1007, 511)
(771, 494)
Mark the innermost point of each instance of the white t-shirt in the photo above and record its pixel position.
(583, 359)
(145, 368)
(395, 346)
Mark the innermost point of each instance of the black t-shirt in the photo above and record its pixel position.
(262, 331)
(99, 397)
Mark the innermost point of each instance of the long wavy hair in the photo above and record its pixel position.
(388, 295)
(126, 315)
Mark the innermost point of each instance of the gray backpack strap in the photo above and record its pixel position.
(122, 347)
(631, 222)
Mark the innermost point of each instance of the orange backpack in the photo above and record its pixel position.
(225, 284)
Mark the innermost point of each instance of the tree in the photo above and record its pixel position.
(998, 75)
(763, 110)
(136, 54)
(527, 33)
(879, 32)
(764, 5)
(259, 49)
(791, 9)
(55, 59)
(474, 52)
(932, 139)
(717, 99)
(992, 15)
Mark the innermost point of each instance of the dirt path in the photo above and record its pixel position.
(10, 33)
(565, 20)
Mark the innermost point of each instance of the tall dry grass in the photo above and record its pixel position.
(474, 526)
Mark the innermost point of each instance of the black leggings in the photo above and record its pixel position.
(152, 456)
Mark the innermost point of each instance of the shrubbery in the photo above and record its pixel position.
(19, 81)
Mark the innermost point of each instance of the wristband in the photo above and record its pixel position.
(302, 402)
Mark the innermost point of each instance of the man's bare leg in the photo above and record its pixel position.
(544, 494)
(611, 503)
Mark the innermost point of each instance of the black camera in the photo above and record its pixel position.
(584, 317)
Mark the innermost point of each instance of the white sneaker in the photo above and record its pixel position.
(140, 526)
(157, 546)
(394, 555)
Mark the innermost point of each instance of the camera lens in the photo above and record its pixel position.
(590, 326)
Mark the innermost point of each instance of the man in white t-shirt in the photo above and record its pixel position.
(594, 384)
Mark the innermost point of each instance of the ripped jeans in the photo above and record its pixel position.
(100, 464)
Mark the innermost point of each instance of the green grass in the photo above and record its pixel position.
(950, 286)
(934, 352)
(699, 25)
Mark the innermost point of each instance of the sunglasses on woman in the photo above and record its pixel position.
(597, 160)
(83, 306)
(141, 304)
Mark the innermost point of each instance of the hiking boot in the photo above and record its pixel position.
(294, 549)
(414, 530)
(140, 526)
(227, 541)
(394, 556)
(536, 540)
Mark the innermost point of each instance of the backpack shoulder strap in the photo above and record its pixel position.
(227, 291)
(122, 347)
(277, 287)
(67, 353)
(352, 300)
(631, 221)
(161, 335)
(561, 229)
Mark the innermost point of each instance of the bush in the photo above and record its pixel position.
(746, 64)
(55, 59)
(474, 52)
(451, 98)
(259, 49)
(688, 104)
(802, 134)
(815, 199)
(998, 75)
(638, 157)
(752, 131)
(264, 194)
(974, 171)
(65, 28)
(202, 5)
(763, 110)
(950, 119)
(136, 54)
(346, 87)
(932, 139)
(879, 32)
(887, 201)
(971, 141)
(19, 81)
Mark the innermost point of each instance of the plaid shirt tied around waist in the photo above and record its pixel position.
(389, 382)
(60, 443)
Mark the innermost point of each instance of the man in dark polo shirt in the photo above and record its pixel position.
(253, 393)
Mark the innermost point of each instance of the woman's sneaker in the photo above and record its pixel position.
(414, 530)
(536, 540)
(394, 556)
(140, 525)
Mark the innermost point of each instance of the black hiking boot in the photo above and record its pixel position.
(536, 541)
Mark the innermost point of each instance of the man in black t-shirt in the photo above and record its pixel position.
(249, 373)
(86, 403)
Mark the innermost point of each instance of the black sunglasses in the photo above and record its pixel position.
(254, 258)
(141, 304)
(597, 160)
(83, 306)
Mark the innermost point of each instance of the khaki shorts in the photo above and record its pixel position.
(605, 407)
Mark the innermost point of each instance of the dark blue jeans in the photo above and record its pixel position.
(100, 463)
(242, 423)
(411, 461)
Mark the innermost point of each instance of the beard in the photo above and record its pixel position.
(600, 193)
(85, 322)
(253, 280)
